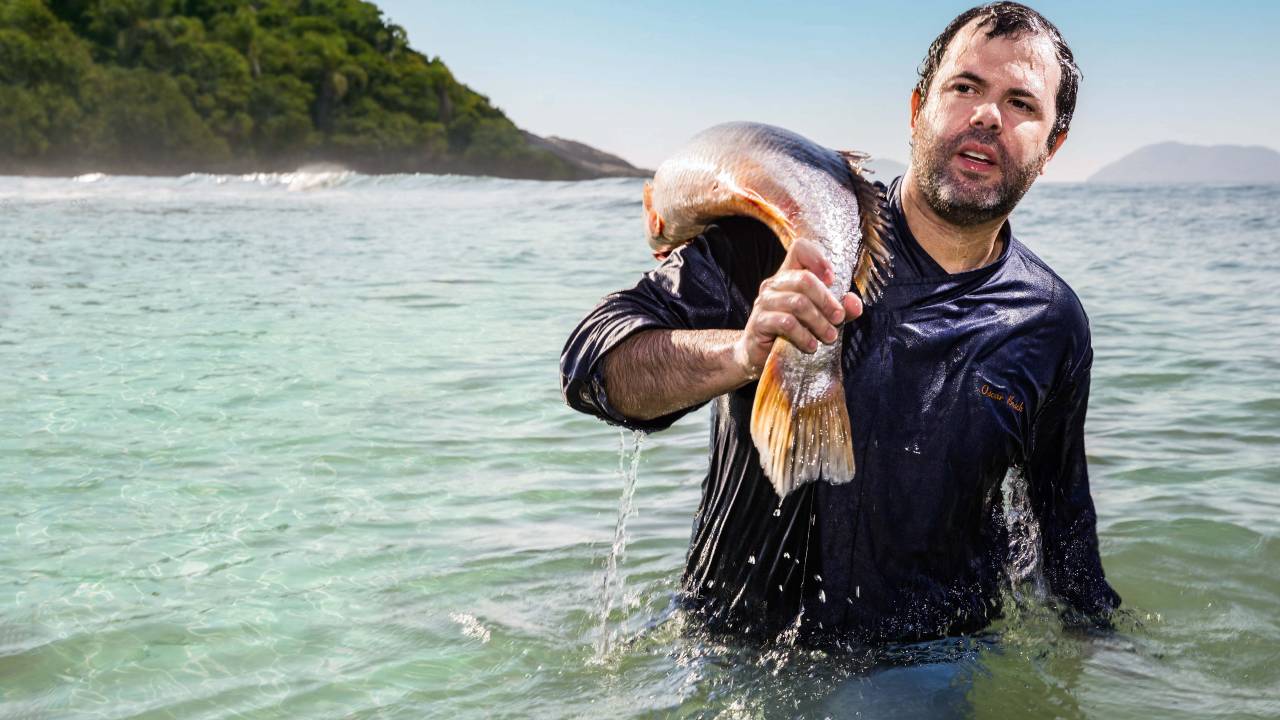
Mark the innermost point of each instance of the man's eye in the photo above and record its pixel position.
(1023, 106)
(963, 88)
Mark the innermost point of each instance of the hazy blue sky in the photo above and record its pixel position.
(638, 78)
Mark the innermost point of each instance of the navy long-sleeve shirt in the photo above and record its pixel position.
(951, 380)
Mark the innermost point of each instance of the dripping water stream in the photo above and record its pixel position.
(612, 583)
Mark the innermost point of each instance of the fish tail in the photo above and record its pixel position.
(874, 265)
(801, 429)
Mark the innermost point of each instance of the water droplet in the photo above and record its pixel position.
(786, 555)
(817, 577)
(822, 596)
(751, 559)
(471, 627)
(777, 512)
(857, 591)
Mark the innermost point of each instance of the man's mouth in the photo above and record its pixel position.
(977, 158)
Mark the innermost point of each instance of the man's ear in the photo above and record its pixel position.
(915, 107)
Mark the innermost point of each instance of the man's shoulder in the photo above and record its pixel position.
(1062, 302)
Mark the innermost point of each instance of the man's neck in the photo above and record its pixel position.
(955, 248)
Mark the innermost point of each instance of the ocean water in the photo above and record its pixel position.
(292, 446)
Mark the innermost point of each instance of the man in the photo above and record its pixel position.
(974, 363)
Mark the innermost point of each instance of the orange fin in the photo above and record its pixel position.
(800, 427)
(768, 213)
(875, 264)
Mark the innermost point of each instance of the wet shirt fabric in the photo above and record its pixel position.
(952, 381)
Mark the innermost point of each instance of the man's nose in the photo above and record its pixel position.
(986, 115)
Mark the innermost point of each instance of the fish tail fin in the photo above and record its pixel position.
(801, 431)
(874, 262)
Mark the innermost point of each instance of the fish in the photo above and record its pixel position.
(799, 420)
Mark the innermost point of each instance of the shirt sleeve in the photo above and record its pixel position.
(708, 284)
(1058, 484)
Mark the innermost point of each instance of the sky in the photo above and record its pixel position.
(639, 78)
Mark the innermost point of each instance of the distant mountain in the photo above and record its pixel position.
(885, 170)
(589, 161)
(1172, 162)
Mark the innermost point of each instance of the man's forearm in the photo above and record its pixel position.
(657, 372)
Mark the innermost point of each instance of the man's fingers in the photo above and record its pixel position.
(796, 304)
(807, 255)
(807, 284)
(781, 324)
(852, 307)
(802, 308)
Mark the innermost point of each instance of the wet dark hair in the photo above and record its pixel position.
(1009, 19)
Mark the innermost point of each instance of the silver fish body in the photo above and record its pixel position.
(800, 189)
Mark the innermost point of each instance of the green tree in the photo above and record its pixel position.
(140, 120)
(178, 85)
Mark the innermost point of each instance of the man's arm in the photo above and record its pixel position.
(661, 371)
(658, 372)
(646, 354)
(1058, 485)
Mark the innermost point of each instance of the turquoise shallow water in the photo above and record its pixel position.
(293, 446)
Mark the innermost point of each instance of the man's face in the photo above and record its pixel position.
(980, 138)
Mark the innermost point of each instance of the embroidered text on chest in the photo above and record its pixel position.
(1009, 400)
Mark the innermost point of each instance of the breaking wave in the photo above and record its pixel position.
(321, 183)
(321, 177)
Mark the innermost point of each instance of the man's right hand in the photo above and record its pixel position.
(794, 304)
(655, 372)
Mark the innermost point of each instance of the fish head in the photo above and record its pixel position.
(653, 223)
(682, 199)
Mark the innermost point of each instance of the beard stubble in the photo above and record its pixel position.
(959, 201)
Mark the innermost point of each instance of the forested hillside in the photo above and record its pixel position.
(174, 86)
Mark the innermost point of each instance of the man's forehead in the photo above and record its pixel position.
(1025, 59)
